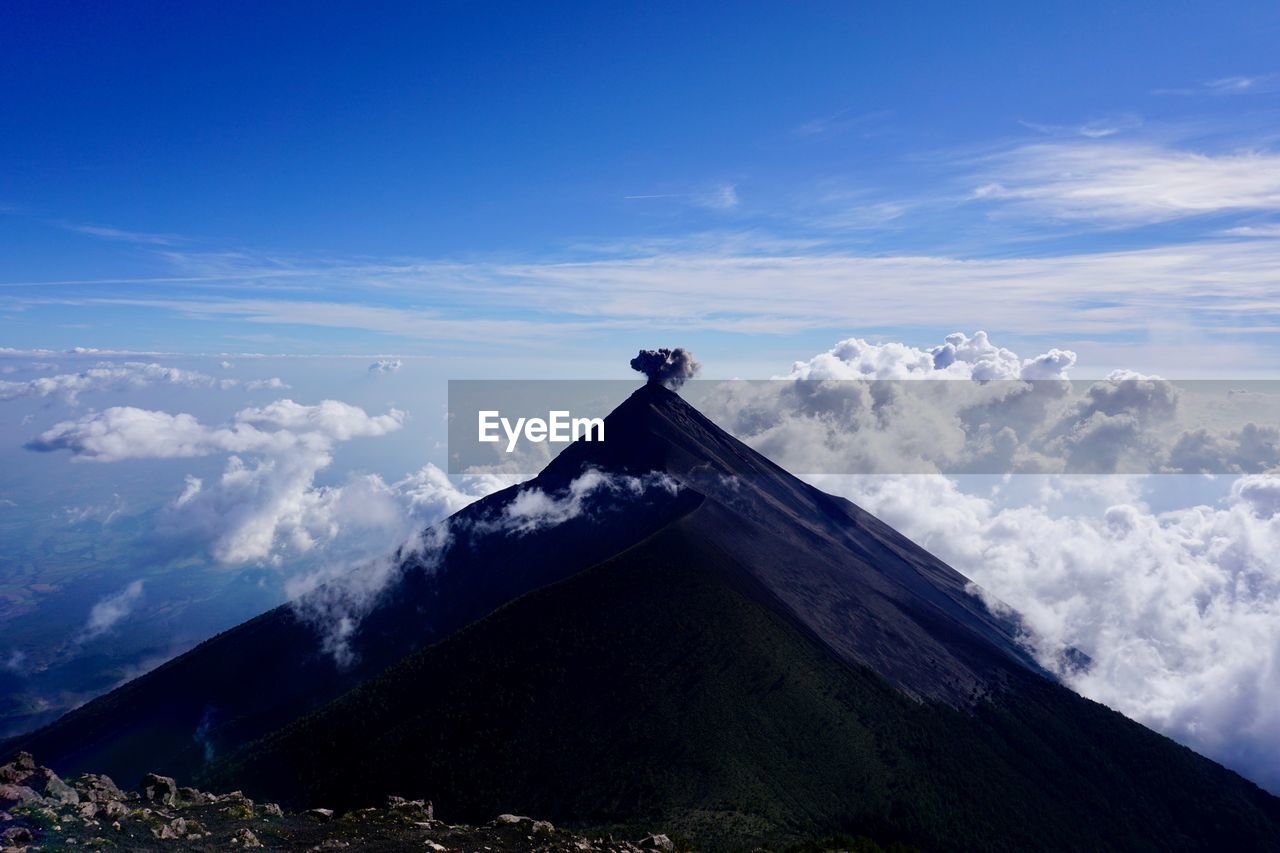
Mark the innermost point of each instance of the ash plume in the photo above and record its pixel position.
(670, 367)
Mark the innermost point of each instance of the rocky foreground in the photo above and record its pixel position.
(39, 811)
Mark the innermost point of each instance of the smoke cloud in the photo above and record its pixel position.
(669, 367)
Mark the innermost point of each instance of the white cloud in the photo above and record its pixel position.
(1237, 84)
(1180, 611)
(533, 509)
(261, 508)
(386, 365)
(126, 432)
(111, 610)
(1131, 184)
(121, 377)
(722, 197)
(103, 513)
(335, 600)
(751, 284)
(1260, 231)
(857, 409)
(958, 357)
(1095, 129)
(108, 233)
(275, 383)
(337, 597)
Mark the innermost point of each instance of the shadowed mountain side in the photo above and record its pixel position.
(258, 676)
(668, 686)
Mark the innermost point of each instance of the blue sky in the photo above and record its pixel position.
(489, 180)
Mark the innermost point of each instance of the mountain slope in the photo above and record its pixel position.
(259, 675)
(744, 656)
(665, 687)
(866, 591)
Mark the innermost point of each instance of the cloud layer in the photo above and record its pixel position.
(126, 376)
(1178, 609)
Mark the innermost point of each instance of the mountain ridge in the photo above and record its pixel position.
(738, 655)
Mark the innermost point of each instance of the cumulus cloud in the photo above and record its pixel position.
(123, 377)
(959, 356)
(126, 432)
(860, 408)
(670, 367)
(384, 365)
(263, 506)
(1179, 610)
(1251, 448)
(111, 610)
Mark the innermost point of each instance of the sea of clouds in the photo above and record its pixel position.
(1178, 607)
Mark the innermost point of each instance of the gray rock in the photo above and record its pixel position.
(245, 838)
(423, 808)
(48, 784)
(23, 775)
(97, 788)
(15, 795)
(160, 789)
(15, 835)
(22, 766)
(657, 842)
(319, 814)
(511, 820)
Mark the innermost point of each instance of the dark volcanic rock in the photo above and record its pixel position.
(214, 823)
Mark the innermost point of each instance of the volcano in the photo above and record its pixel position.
(699, 642)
